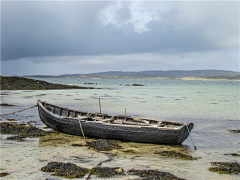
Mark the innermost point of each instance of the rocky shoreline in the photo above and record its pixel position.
(20, 83)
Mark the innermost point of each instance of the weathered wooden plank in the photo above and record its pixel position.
(131, 129)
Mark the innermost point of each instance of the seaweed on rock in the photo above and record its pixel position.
(225, 167)
(106, 172)
(69, 170)
(234, 130)
(22, 130)
(6, 105)
(3, 174)
(18, 138)
(232, 154)
(104, 145)
(176, 155)
(66, 170)
(153, 174)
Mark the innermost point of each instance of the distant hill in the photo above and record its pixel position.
(20, 83)
(171, 74)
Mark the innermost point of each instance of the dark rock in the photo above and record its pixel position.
(234, 130)
(6, 105)
(233, 154)
(3, 174)
(137, 85)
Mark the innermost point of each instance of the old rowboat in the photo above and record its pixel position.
(103, 126)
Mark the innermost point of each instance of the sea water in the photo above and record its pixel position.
(164, 99)
(213, 107)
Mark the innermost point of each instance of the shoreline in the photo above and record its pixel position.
(133, 77)
(22, 83)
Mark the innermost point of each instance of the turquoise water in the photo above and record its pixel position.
(167, 99)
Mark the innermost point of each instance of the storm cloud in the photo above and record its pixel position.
(94, 36)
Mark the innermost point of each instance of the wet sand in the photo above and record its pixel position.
(24, 159)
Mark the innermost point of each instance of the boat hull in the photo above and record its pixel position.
(98, 129)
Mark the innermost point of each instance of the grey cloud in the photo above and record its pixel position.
(45, 28)
(81, 28)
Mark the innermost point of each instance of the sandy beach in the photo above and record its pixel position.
(24, 159)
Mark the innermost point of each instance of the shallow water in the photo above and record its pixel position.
(169, 99)
(213, 108)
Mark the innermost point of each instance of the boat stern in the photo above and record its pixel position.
(184, 132)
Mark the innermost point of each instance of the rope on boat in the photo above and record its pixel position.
(191, 137)
(19, 110)
(82, 130)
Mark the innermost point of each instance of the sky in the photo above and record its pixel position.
(80, 37)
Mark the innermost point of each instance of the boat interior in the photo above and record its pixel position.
(66, 113)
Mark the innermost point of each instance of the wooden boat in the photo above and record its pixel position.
(103, 126)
